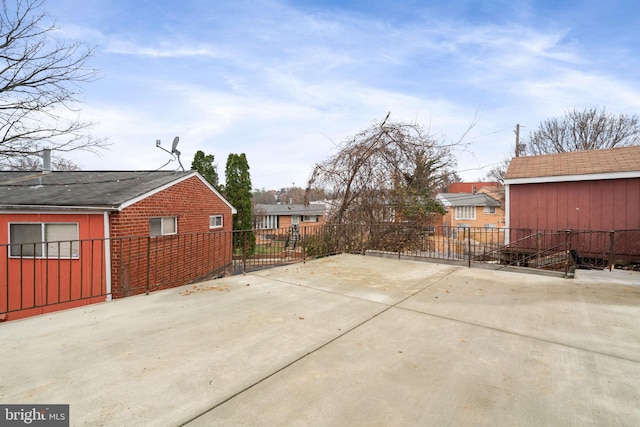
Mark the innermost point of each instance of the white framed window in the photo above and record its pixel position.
(465, 212)
(269, 222)
(44, 240)
(162, 226)
(215, 221)
(489, 226)
(310, 218)
(490, 209)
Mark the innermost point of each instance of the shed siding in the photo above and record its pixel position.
(582, 205)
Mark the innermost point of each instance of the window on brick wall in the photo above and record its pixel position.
(161, 226)
(465, 212)
(44, 240)
(310, 218)
(489, 209)
(215, 221)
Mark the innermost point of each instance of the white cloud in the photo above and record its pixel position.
(284, 84)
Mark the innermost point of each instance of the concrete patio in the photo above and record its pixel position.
(344, 340)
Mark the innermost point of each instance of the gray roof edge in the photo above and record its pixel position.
(315, 209)
(466, 199)
(57, 208)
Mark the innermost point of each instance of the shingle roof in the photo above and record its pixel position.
(80, 189)
(312, 209)
(466, 199)
(612, 160)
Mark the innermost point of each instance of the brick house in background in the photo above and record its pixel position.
(274, 220)
(105, 234)
(470, 210)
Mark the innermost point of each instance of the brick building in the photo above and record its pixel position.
(471, 210)
(273, 220)
(71, 238)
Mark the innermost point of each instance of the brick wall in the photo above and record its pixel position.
(141, 263)
(482, 219)
(285, 221)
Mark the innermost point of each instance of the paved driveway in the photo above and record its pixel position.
(344, 340)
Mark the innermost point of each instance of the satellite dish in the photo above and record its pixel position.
(174, 151)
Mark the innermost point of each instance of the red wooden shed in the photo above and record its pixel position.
(588, 191)
(584, 190)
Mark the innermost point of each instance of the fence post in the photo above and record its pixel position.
(469, 247)
(612, 235)
(148, 264)
(567, 244)
(303, 247)
(244, 252)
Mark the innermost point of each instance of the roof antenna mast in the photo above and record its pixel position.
(174, 150)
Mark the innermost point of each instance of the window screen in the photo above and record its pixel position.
(60, 240)
(51, 240)
(215, 221)
(162, 226)
(23, 237)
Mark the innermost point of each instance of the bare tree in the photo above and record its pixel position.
(291, 195)
(263, 197)
(40, 79)
(590, 129)
(387, 172)
(497, 172)
(33, 163)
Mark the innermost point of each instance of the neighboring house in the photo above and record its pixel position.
(471, 210)
(118, 233)
(272, 220)
(584, 190)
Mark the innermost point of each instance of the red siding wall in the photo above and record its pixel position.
(167, 261)
(60, 283)
(581, 205)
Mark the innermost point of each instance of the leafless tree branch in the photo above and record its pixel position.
(389, 170)
(40, 79)
(589, 129)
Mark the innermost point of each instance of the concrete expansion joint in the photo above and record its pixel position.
(337, 337)
(517, 334)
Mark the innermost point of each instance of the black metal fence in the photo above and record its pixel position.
(37, 278)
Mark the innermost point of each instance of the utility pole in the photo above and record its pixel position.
(518, 140)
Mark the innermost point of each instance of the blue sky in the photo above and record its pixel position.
(286, 81)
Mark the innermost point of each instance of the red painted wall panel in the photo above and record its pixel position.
(633, 211)
(552, 207)
(581, 205)
(61, 283)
